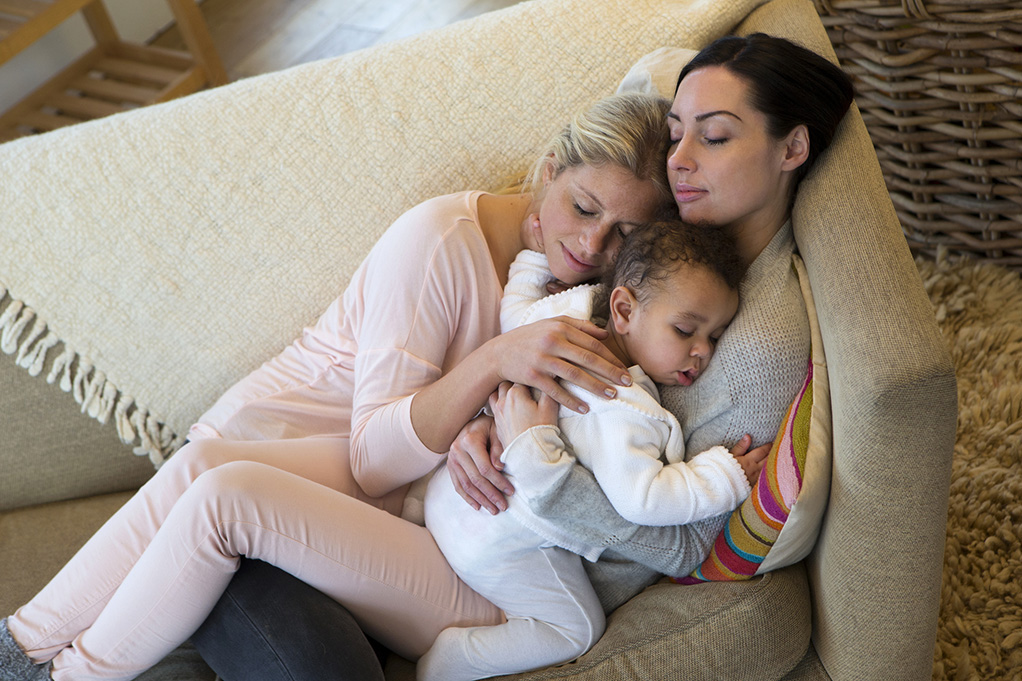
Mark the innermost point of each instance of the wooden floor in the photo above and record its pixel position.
(257, 36)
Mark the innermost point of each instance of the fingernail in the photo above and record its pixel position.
(610, 392)
(584, 409)
(626, 380)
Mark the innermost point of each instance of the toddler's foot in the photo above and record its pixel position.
(14, 663)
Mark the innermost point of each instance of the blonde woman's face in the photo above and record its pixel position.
(724, 168)
(585, 212)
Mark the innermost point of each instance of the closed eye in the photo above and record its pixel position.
(583, 212)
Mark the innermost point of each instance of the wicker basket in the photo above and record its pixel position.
(939, 84)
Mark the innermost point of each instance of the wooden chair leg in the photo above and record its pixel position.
(196, 36)
(100, 24)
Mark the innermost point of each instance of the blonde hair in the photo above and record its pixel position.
(629, 130)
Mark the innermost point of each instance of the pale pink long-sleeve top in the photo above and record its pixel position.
(426, 296)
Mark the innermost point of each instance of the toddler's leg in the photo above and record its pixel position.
(388, 572)
(74, 598)
(553, 616)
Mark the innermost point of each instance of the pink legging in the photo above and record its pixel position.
(150, 576)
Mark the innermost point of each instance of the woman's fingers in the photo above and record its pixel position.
(574, 354)
(586, 349)
(549, 386)
(556, 371)
(474, 473)
(478, 494)
(544, 353)
(476, 491)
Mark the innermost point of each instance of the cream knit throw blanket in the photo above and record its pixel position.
(152, 259)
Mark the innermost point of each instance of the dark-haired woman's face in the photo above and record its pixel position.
(723, 165)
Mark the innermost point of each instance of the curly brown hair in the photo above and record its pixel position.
(653, 252)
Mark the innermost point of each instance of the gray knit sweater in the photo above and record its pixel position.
(759, 366)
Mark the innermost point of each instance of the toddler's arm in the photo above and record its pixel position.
(526, 284)
(622, 446)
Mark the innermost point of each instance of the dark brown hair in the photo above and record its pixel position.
(789, 84)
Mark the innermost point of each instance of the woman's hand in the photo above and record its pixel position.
(751, 461)
(515, 410)
(475, 467)
(539, 354)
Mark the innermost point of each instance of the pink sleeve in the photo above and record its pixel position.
(423, 299)
(430, 290)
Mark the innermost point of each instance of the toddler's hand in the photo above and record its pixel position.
(515, 410)
(750, 461)
(556, 286)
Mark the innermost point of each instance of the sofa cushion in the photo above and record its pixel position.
(51, 451)
(38, 540)
(706, 632)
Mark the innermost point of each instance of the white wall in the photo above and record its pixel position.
(136, 21)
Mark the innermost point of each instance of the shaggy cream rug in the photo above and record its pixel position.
(979, 309)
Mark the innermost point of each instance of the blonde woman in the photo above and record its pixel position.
(305, 463)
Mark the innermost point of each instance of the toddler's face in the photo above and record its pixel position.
(673, 334)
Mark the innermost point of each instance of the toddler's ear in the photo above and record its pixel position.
(622, 306)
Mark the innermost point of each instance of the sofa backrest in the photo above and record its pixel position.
(205, 232)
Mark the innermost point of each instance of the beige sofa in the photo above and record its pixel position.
(152, 258)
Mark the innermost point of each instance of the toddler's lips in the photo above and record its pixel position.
(688, 376)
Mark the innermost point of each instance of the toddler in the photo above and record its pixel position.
(671, 294)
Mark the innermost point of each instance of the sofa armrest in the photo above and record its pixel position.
(876, 569)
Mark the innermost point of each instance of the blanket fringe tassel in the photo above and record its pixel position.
(27, 337)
